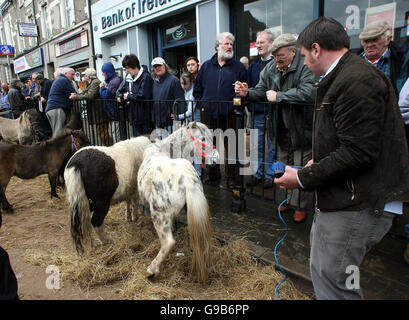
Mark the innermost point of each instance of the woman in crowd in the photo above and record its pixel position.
(193, 66)
(5, 110)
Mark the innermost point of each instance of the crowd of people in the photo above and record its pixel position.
(331, 113)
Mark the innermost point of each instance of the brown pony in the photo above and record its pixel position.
(28, 162)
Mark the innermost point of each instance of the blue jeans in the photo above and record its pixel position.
(259, 122)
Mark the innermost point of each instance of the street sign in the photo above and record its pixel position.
(6, 50)
(27, 30)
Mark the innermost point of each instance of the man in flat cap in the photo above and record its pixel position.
(43, 86)
(288, 82)
(16, 99)
(379, 50)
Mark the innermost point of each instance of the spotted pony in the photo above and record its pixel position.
(97, 177)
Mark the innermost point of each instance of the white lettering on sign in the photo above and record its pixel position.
(135, 11)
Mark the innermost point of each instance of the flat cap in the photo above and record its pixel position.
(14, 81)
(285, 40)
(158, 60)
(39, 77)
(374, 30)
(90, 72)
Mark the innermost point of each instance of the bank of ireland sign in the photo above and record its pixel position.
(132, 11)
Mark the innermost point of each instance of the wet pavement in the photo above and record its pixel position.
(384, 274)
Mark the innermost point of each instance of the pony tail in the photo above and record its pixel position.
(80, 215)
(198, 220)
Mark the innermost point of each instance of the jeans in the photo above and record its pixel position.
(339, 241)
(258, 122)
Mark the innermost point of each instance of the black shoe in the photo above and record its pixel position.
(268, 183)
(254, 182)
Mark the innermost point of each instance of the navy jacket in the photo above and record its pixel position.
(166, 88)
(59, 96)
(141, 89)
(215, 83)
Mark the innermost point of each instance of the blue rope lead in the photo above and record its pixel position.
(279, 242)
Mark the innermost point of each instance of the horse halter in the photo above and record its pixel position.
(73, 145)
(199, 150)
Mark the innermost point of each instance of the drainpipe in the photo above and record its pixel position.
(91, 34)
(4, 39)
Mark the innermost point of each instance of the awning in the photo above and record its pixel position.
(27, 74)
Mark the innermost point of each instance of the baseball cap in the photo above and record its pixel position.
(158, 60)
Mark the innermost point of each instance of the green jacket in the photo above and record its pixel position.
(94, 104)
(91, 92)
(295, 87)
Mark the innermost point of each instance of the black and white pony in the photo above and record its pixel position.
(97, 177)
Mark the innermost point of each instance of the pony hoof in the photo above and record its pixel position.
(149, 275)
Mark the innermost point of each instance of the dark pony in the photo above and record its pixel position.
(75, 121)
(28, 162)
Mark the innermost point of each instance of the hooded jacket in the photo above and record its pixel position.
(108, 92)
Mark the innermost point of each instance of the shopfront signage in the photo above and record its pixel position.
(132, 11)
(179, 33)
(6, 50)
(77, 42)
(29, 61)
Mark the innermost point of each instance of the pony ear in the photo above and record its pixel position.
(194, 125)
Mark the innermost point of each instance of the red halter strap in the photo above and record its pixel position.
(198, 144)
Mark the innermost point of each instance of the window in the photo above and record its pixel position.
(69, 9)
(281, 16)
(46, 23)
(352, 14)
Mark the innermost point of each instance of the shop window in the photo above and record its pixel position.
(353, 14)
(281, 16)
(69, 9)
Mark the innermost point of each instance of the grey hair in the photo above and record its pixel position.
(387, 34)
(222, 36)
(58, 72)
(66, 70)
(269, 34)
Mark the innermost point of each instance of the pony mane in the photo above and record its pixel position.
(62, 134)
